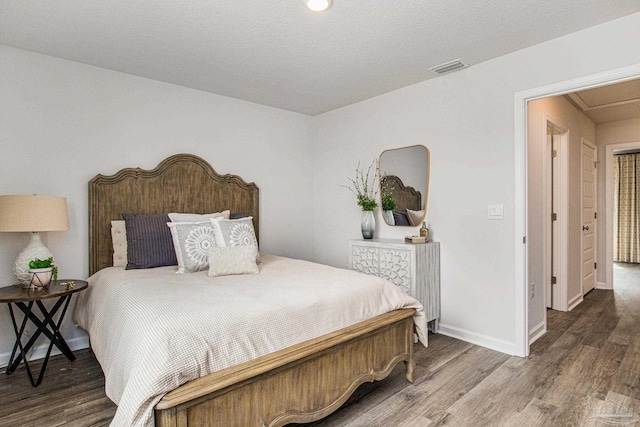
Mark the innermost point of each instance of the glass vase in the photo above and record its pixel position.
(388, 217)
(368, 224)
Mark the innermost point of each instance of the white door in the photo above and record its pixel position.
(554, 243)
(550, 160)
(588, 216)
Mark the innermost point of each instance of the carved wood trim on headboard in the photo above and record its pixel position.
(406, 197)
(180, 183)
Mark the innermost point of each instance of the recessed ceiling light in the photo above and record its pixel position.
(318, 5)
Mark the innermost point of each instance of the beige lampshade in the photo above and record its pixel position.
(33, 213)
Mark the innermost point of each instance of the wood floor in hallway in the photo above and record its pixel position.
(584, 372)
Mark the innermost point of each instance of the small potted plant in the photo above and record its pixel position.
(42, 271)
(386, 199)
(388, 205)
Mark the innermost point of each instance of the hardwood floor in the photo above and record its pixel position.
(71, 394)
(584, 372)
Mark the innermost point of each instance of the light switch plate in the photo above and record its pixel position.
(496, 212)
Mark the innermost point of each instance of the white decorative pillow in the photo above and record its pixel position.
(235, 232)
(224, 261)
(190, 217)
(119, 239)
(192, 242)
(415, 217)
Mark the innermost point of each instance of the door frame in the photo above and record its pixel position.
(608, 258)
(618, 75)
(561, 243)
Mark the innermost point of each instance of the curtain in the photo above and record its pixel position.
(626, 203)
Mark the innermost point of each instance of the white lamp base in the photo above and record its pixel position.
(35, 249)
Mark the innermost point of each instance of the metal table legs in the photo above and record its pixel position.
(47, 326)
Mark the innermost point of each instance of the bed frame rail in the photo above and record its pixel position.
(303, 383)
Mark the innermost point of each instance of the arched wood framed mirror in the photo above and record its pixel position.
(404, 185)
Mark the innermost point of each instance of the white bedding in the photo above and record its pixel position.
(153, 330)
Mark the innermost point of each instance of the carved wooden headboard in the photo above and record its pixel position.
(180, 183)
(405, 197)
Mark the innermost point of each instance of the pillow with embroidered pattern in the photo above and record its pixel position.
(192, 241)
(235, 232)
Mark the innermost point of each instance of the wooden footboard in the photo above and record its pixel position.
(299, 384)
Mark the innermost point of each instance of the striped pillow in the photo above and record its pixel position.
(149, 242)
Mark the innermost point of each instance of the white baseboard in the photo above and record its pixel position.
(477, 339)
(40, 351)
(603, 285)
(574, 302)
(537, 331)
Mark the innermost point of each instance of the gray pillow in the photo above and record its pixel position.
(192, 242)
(235, 232)
(400, 218)
(149, 242)
(237, 215)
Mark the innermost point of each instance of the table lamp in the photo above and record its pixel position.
(32, 213)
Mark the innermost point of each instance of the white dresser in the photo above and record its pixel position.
(413, 267)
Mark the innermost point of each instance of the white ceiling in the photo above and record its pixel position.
(610, 103)
(279, 53)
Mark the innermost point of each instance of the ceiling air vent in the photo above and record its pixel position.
(448, 67)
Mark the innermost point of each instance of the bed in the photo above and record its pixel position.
(406, 197)
(293, 382)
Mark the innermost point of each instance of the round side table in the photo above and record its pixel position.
(45, 323)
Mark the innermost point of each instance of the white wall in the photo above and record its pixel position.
(562, 113)
(619, 132)
(63, 122)
(466, 119)
(84, 120)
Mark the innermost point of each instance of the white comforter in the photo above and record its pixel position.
(153, 330)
